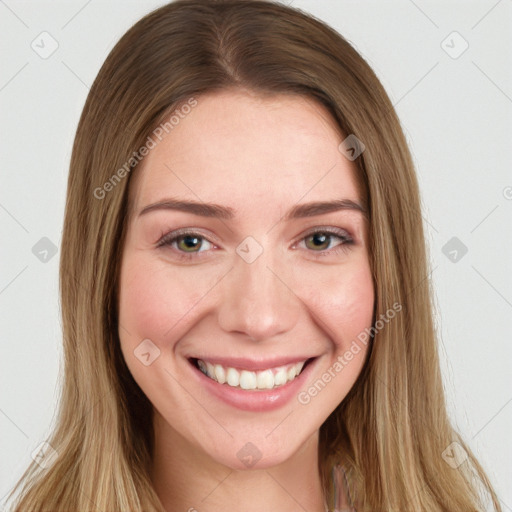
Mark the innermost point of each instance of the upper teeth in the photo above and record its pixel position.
(245, 379)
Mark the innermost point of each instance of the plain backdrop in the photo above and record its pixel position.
(447, 68)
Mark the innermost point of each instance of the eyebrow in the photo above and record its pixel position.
(224, 212)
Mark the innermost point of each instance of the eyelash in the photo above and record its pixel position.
(344, 246)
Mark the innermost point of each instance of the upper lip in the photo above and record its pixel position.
(243, 363)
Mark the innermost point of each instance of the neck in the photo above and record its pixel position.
(187, 479)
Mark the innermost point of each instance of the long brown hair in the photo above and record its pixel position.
(390, 432)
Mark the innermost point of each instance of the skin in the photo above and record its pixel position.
(260, 157)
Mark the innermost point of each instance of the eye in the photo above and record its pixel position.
(185, 243)
(188, 245)
(326, 240)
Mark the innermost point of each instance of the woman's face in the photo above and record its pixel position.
(242, 260)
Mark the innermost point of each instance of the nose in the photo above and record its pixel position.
(256, 300)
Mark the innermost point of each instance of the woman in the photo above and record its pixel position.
(246, 314)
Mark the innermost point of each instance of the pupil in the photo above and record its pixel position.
(190, 242)
(320, 240)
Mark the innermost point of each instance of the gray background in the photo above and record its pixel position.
(456, 110)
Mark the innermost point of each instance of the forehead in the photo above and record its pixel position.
(244, 150)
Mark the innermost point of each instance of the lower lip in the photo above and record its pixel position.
(254, 400)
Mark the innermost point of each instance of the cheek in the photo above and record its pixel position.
(154, 303)
(342, 302)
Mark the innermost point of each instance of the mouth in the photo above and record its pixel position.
(251, 380)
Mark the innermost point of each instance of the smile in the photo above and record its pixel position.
(250, 380)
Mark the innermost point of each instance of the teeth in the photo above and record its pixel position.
(220, 374)
(210, 370)
(280, 377)
(247, 380)
(291, 373)
(265, 379)
(233, 377)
